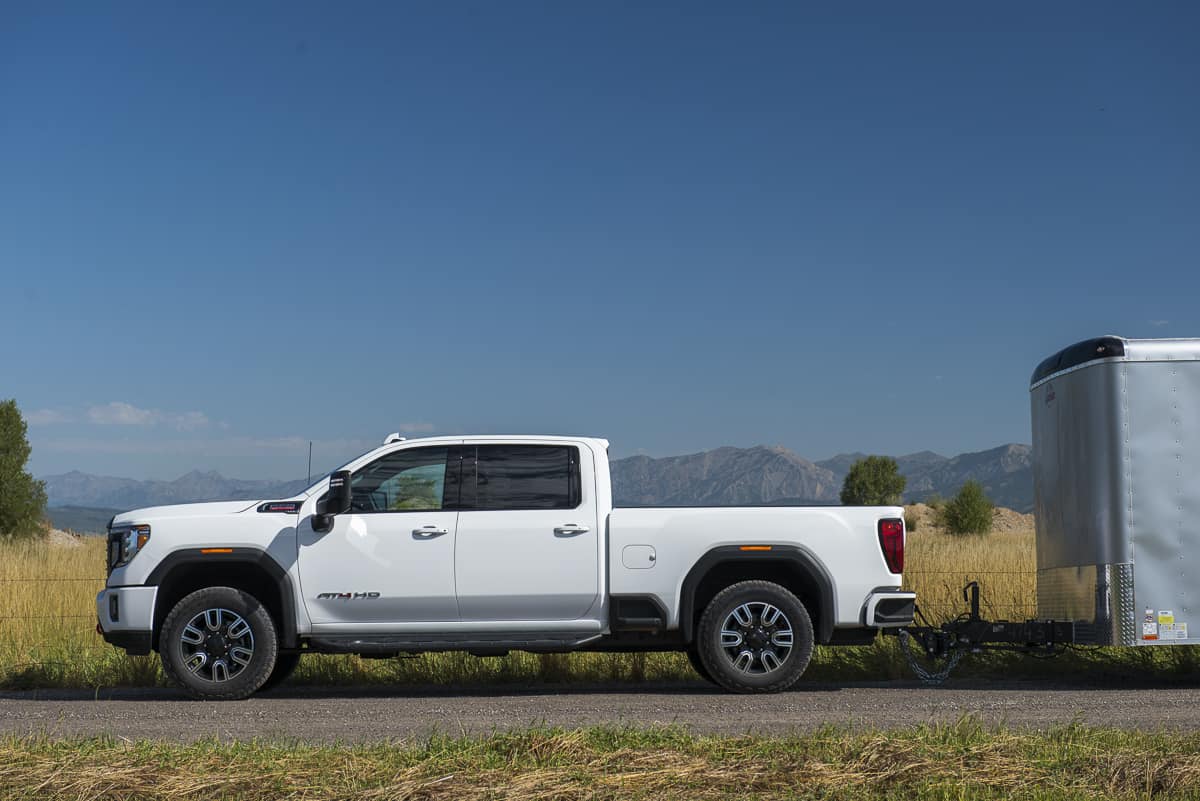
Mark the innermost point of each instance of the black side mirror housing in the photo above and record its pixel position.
(335, 502)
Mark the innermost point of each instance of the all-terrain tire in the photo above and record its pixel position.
(285, 665)
(753, 600)
(230, 604)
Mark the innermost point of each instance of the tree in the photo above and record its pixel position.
(22, 498)
(874, 481)
(970, 511)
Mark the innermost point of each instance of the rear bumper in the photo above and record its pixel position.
(125, 617)
(886, 609)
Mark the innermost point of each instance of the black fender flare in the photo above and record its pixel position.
(186, 557)
(791, 555)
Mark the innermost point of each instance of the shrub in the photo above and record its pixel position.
(22, 498)
(873, 481)
(910, 521)
(970, 511)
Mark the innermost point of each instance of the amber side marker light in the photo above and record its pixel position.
(755, 548)
(216, 550)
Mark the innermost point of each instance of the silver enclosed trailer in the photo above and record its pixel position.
(1116, 470)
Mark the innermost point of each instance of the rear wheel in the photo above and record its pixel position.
(219, 644)
(755, 637)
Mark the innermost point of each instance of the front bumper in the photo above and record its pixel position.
(125, 617)
(889, 608)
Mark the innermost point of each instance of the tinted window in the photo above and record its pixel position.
(410, 480)
(527, 477)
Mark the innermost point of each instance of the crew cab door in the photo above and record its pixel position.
(528, 534)
(390, 560)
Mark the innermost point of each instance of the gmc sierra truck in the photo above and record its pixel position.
(489, 544)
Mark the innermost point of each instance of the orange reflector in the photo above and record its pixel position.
(216, 550)
(755, 548)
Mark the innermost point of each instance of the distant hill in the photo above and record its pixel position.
(722, 477)
(84, 489)
(775, 475)
(725, 476)
(82, 519)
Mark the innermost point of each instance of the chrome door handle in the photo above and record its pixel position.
(570, 530)
(428, 532)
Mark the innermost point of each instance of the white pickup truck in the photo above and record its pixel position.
(489, 544)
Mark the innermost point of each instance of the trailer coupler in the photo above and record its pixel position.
(970, 633)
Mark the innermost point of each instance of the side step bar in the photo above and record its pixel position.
(389, 644)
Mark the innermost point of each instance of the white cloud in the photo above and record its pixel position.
(47, 417)
(119, 413)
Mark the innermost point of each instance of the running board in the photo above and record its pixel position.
(489, 643)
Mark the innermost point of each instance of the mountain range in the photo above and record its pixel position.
(765, 474)
(84, 489)
(725, 476)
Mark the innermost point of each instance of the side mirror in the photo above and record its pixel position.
(335, 502)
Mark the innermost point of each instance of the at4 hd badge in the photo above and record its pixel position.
(1149, 626)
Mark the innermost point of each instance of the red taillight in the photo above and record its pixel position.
(891, 541)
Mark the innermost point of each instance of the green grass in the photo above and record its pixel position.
(961, 761)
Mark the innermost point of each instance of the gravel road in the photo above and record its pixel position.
(373, 714)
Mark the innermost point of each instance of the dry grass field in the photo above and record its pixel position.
(48, 639)
(964, 761)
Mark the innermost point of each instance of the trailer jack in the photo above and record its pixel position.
(946, 645)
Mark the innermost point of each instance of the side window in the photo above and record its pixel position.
(527, 477)
(416, 479)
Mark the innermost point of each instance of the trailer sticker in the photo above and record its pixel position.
(1149, 626)
(1165, 617)
(1172, 631)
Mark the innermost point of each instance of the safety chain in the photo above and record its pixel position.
(930, 677)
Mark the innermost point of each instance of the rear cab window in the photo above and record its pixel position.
(526, 477)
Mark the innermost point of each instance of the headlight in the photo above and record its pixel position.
(124, 544)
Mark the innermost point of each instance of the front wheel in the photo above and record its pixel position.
(755, 637)
(219, 644)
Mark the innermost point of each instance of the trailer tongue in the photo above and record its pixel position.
(1117, 507)
(970, 633)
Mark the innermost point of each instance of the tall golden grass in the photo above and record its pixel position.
(48, 638)
(938, 565)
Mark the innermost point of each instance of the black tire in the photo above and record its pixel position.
(243, 625)
(770, 667)
(698, 664)
(285, 665)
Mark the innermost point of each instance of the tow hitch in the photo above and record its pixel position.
(946, 645)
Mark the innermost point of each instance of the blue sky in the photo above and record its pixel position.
(227, 230)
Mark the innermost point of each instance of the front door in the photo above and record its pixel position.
(390, 560)
(528, 535)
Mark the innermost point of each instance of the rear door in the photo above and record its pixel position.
(528, 534)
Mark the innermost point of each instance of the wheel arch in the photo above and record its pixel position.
(251, 570)
(790, 566)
